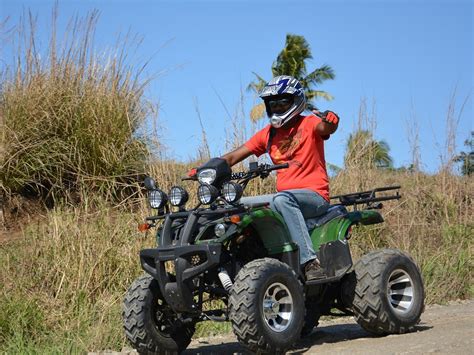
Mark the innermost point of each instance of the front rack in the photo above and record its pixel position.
(370, 198)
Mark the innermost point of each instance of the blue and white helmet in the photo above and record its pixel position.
(283, 88)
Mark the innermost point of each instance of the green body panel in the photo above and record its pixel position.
(333, 230)
(271, 229)
(269, 225)
(275, 236)
(336, 229)
(365, 217)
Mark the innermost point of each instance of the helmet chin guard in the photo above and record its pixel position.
(281, 86)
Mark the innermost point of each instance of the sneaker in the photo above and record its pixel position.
(314, 271)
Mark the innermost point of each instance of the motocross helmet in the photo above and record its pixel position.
(284, 99)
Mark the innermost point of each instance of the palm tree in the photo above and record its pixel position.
(363, 151)
(291, 61)
(467, 158)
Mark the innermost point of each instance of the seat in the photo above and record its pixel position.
(250, 201)
(311, 223)
(332, 212)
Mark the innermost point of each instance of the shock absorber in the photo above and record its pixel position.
(225, 279)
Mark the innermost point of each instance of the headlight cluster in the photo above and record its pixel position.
(231, 192)
(207, 194)
(177, 197)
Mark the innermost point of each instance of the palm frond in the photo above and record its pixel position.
(317, 94)
(333, 169)
(319, 75)
(363, 151)
(291, 61)
(256, 86)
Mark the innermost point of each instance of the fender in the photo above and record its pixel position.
(337, 228)
(365, 217)
(271, 229)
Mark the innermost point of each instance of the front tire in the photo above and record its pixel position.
(150, 325)
(267, 306)
(389, 294)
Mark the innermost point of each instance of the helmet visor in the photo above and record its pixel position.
(280, 105)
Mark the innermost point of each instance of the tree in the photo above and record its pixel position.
(292, 61)
(467, 159)
(363, 151)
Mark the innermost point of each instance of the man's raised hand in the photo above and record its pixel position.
(329, 117)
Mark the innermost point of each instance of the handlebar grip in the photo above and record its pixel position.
(239, 175)
(278, 166)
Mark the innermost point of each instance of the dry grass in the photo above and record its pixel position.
(62, 282)
(66, 277)
(71, 115)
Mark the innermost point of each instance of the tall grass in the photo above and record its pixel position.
(63, 281)
(62, 284)
(70, 114)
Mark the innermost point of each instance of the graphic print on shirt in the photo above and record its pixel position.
(287, 147)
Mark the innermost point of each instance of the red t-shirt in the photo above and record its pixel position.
(302, 148)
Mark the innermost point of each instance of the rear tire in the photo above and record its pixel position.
(389, 294)
(150, 325)
(267, 306)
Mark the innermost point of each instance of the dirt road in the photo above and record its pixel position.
(443, 329)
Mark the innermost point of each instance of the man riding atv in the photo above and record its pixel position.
(248, 257)
(303, 188)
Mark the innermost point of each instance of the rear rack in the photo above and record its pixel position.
(368, 197)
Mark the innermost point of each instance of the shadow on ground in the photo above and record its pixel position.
(321, 335)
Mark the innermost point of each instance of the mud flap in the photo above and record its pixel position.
(336, 259)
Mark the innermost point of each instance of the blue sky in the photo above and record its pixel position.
(407, 57)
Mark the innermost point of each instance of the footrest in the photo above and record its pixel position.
(324, 281)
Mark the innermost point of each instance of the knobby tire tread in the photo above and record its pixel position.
(369, 309)
(134, 308)
(243, 310)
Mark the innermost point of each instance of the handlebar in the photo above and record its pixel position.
(254, 169)
(258, 170)
(278, 166)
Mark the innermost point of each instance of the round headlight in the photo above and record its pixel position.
(178, 196)
(207, 194)
(207, 176)
(157, 199)
(219, 230)
(232, 191)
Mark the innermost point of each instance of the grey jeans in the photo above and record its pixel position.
(295, 206)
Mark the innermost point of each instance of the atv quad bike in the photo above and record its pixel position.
(242, 254)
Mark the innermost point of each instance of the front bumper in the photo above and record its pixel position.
(189, 262)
